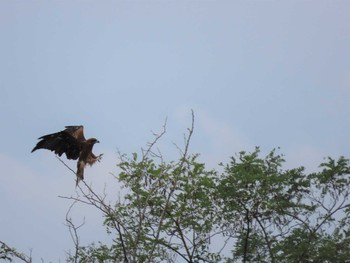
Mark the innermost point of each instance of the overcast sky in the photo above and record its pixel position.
(256, 73)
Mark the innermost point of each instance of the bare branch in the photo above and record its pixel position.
(148, 151)
(187, 138)
(73, 230)
(66, 165)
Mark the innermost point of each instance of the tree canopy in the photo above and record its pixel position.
(250, 209)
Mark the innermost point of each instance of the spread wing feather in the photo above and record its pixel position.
(60, 142)
(72, 142)
(76, 131)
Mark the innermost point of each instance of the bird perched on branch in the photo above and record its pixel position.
(72, 142)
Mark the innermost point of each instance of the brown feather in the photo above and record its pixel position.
(76, 131)
(72, 142)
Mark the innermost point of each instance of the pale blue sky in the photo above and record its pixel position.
(265, 73)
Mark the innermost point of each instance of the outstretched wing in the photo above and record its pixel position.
(76, 131)
(61, 142)
(72, 142)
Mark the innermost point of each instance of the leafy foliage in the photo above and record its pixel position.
(9, 253)
(253, 210)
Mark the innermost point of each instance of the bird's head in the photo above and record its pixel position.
(93, 140)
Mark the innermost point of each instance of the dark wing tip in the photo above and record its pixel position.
(60, 142)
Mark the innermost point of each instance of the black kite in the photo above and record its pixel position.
(72, 142)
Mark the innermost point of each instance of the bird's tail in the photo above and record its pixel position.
(80, 171)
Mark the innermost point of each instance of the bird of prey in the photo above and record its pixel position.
(72, 142)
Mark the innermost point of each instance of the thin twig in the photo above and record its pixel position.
(66, 165)
(73, 230)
